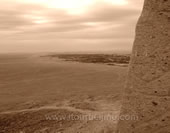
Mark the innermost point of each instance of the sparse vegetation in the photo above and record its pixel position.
(109, 59)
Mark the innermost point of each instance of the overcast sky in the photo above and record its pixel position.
(68, 25)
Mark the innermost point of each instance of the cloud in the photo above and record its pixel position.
(102, 22)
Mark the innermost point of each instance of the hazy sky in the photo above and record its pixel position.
(67, 25)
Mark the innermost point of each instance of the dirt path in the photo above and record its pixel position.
(100, 119)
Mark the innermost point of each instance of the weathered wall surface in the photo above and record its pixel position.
(147, 94)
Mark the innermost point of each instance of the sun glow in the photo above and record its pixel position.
(36, 19)
(40, 21)
(74, 6)
(117, 2)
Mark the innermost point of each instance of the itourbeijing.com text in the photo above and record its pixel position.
(91, 117)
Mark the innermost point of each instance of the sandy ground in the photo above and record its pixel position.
(43, 95)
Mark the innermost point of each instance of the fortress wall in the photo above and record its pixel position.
(147, 92)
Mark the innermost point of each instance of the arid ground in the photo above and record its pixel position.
(48, 95)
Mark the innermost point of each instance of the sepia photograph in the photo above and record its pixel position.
(84, 66)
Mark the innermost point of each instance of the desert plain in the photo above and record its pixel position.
(43, 94)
